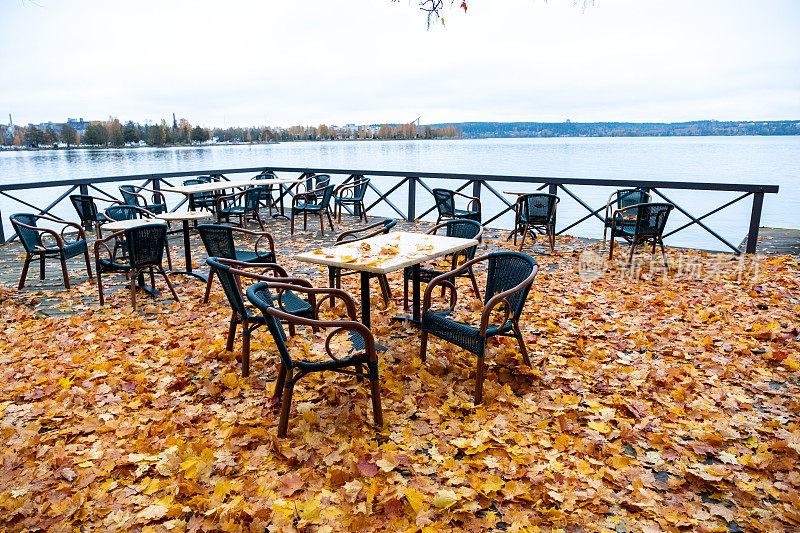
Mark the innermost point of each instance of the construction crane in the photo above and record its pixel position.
(416, 120)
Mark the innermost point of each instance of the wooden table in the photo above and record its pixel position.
(185, 217)
(386, 253)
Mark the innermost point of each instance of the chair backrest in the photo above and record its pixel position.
(628, 197)
(252, 196)
(218, 240)
(266, 175)
(146, 244)
(538, 208)
(321, 180)
(85, 206)
(445, 201)
(652, 217)
(505, 271)
(122, 212)
(360, 189)
(193, 181)
(327, 194)
(358, 234)
(463, 229)
(261, 297)
(205, 179)
(28, 237)
(229, 284)
(129, 195)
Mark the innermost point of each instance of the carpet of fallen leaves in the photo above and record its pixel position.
(655, 403)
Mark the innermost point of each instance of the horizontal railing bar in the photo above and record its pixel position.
(599, 182)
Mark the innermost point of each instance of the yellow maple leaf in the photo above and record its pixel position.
(415, 499)
(445, 499)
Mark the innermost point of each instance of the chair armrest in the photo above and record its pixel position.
(261, 235)
(503, 298)
(346, 186)
(378, 229)
(313, 192)
(104, 243)
(472, 199)
(227, 200)
(444, 279)
(619, 214)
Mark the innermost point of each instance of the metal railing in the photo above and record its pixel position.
(394, 182)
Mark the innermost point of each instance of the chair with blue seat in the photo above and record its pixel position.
(508, 281)
(137, 196)
(46, 242)
(143, 251)
(462, 228)
(86, 207)
(242, 205)
(620, 199)
(220, 241)
(130, 212)
(446, 205)
(360, 345)
(640, 223)
(315, 202)
(352, 194)
(534, 213)
(230, 274)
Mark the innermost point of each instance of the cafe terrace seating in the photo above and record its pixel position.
(640, 223)
(45, 242)
(619, 199)
(230, 273)
(144, 251)
(201, 200)
(460, 227)
(446, 205)
(130, 212)
(86, 207)
(135, 195)
(359, 234)
(219, 241)
(242, 205)
(353, 194)
(536, 212)
(362, 352)
(508, 280)
(315, 202)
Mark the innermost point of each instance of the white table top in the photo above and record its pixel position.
(119, 225)
(386, 253)
(184, 215)
(213, 186)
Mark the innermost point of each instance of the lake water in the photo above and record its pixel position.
(764, 160)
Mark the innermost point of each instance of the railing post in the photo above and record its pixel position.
(2, 233)
(755, 222)
(412, 199)
(84, 189)
(156, 184)
(476, 189)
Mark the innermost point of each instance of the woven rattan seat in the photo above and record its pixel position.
(509, 278)
(639, 224)
(446, 205)
(362, 352)
(536, 212)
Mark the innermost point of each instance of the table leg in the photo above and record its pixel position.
(187, 250)
(365, 298)
(281, 191)
(416, 314)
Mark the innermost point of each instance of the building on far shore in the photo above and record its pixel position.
(78, 124)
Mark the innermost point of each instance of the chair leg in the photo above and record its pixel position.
(364, 212)
(286, 404)
(633, 247)
(133, 288)
(474, 283)
(245, 348)
(405, 293)
(551, 230)
(64, 271)
(322, 224)
(88, 265)
(663, 252)
(479, 377)
(291, 225)
(208, 287)
(522, 348)
(169, 256)
(277, 393)
(99, 285)
(423, 346)
(232, 332)
(375, 387)
(383, 281)
(305, 220)
(524, 233)
(169, 284)
(330, 220)
(611, 246)
(24, 271)
(41, 267)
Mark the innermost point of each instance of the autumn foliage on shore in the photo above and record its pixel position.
(656, 402)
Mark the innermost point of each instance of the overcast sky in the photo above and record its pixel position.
(270, 62)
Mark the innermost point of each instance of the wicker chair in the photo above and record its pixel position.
(144, 250)
(508, 281)
(463, 228)
(133, 195)
(362, 352)
(87, 211)
(353, 194)
(266, 199)
(242, 205)
(619, 199)
(359, 234)
(316, 202)
(446, 205)
(230, 274)
(536, 213)
(130, 212)
(201, 200)
(220, 242)
(45, 242)
(639, 224)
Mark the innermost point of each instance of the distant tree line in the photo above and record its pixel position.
(479, 130)
(116, 134)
